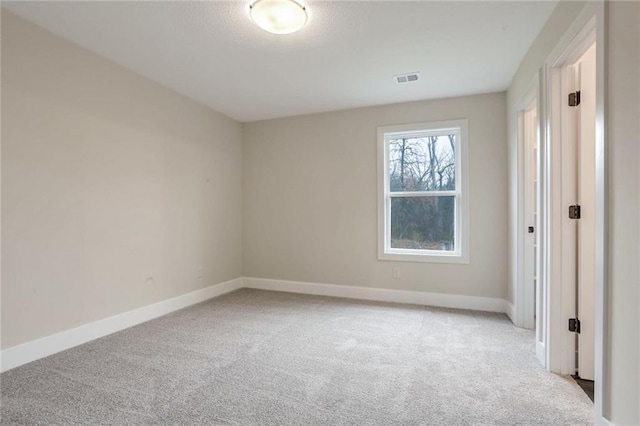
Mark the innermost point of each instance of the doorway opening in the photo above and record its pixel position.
(575, 203)
(530, 145)
(528, 134)
(578, 115)
(531, 296)
(584, 76)
(531, 195)
(573, 96)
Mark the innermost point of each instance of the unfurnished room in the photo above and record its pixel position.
(304, 212)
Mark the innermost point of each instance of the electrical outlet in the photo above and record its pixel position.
(395, 273)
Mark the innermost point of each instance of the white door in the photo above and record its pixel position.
(530, 133)
(579, 188)
(585, 69)
(535, 310)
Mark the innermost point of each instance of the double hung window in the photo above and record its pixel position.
(423, 192)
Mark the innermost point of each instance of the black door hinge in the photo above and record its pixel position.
(574, 325)
(574, 212)
(574, 99)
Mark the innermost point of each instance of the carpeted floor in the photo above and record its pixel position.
(255, 357)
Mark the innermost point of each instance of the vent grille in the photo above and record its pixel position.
(407, 78)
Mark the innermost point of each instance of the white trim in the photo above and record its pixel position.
(601, 421)
(510, 310)
(602, 232)
(544, 233)
(40, 348)
(461, 254)
(382, 294)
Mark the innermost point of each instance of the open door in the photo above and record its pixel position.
(535, 312)
(534, 301)
(577, 90)
(531, 297)
(585, 77)
(531, 302)
(530, 139)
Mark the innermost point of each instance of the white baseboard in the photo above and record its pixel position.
(381, 294)
(510, 310)
(36, 349)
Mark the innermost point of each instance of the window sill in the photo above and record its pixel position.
(425, 258)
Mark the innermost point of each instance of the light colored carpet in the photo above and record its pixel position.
(255, 357)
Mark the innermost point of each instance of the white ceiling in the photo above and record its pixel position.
(345, 57)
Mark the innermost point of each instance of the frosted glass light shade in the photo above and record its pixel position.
(278, 16)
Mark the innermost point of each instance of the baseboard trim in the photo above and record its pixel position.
(40, 348)
(381, 294)
(602, 421)
(510, 310)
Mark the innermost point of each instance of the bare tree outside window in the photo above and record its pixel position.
(420, 168)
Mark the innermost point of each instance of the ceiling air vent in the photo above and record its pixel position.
(407, 78)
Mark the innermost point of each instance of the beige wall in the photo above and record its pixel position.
(108, 179)
(310, 201)
(624, 210)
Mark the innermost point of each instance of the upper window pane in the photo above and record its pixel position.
(424, 163)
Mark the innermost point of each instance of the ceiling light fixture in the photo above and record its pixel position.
(278, 16)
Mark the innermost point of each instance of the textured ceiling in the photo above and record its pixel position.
(345, 57)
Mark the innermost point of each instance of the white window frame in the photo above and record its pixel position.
(461, 253)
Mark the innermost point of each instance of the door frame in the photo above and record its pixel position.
(589, 27)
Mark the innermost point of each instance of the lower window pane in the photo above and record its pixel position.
(423, 223)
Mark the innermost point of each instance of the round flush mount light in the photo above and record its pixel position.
(278, 16)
